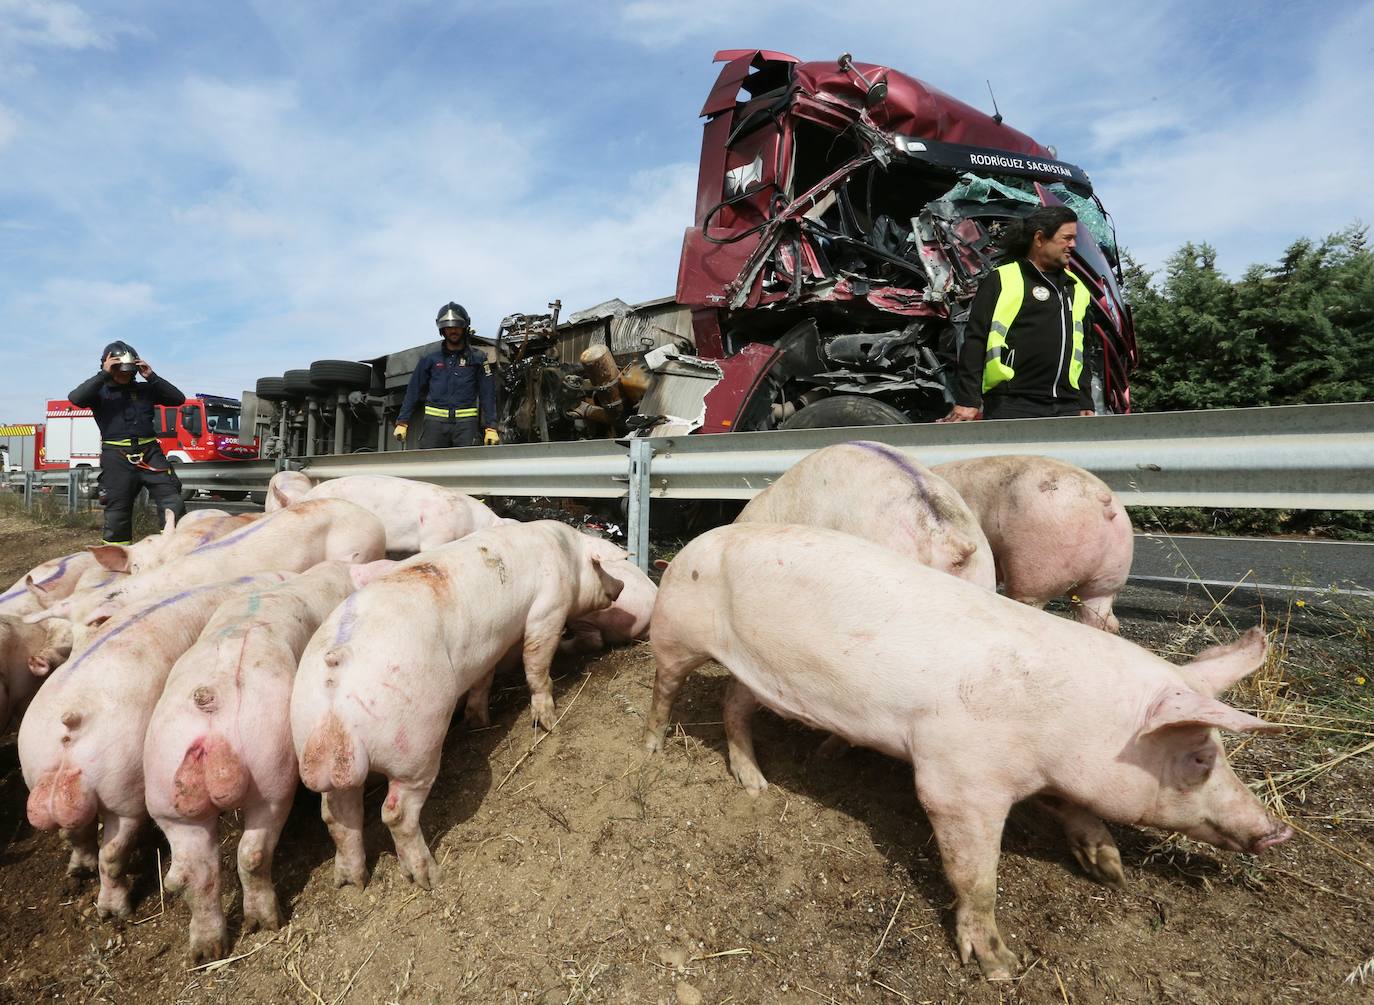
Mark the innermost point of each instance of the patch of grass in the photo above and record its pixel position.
(49, 510)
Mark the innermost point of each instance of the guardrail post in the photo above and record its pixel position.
(29, 478)
(74, 481)
(641, 454)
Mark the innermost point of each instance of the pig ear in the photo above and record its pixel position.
(1180, 707)
(368, 571)
(280, 494)
(609, 583)
(1222, 666)
(38, 593)
(114, 557)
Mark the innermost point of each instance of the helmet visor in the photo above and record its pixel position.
(452, 319)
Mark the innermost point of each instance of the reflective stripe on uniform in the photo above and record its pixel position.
(1009, 299)
(456, 413)
(1081, 299)
(122, 543)
(136, 441)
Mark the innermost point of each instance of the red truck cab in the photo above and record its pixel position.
(204, 428)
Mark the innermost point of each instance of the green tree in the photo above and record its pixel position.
(1299, 332)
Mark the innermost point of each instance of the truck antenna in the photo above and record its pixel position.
(996, 114)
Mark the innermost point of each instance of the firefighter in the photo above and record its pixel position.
(130, 456)
(454, 382)
(1022, 355)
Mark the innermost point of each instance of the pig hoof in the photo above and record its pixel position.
(541, 708)
(750, 777)
(261, 919)
(1101, 861)
(476, 720)
(653, 740)
(349, 875)
(206, 949)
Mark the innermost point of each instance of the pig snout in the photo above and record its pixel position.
(1275, 837)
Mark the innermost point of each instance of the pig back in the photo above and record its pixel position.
(876, 492)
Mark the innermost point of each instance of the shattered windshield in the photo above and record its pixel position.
(984, 189)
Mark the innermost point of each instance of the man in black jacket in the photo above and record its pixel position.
(130, 456)
(1022, 355)
(456, 386)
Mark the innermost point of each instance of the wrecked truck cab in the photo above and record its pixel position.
(845, 215)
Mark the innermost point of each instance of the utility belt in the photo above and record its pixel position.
(443, 412)
(129, 449)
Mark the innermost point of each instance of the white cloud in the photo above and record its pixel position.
(53, 24)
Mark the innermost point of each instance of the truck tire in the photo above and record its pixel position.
(341, 373)
(271, 389)
(299, 385)
(846, 410)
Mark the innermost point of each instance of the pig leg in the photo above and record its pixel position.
(195, 875)
(116, 844)
(85, 851)
(401, 813)
(1089, 840)
(1096, 612)
(674, 663)
(739, 707)
(342, 810)
(477, 711)
(968, 821)
(262, 824)
(541, 642)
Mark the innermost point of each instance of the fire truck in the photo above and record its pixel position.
(204, 428)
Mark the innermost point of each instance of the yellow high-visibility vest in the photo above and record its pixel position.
(1009, 300)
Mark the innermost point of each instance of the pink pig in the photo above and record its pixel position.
(417, 515)
(625, 621)
(1055, 531)
(290, 540)
(155, 550)
(220, 740)
(379, 682)
(54, 580)
(81, 741)
(876, 492)
(27, 654)
(991, 700)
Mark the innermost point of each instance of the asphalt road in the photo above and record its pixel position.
(1272, 566)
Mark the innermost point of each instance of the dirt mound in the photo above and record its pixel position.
(585, 871)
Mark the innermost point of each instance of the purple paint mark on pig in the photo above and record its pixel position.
(124, 626)
(899, 459)
(235, 537)
(347, 620)
(61, 568)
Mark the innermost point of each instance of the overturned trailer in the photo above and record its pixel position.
(845, 215)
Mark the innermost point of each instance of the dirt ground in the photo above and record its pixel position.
(583, 871)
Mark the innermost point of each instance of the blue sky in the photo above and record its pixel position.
(240, 188)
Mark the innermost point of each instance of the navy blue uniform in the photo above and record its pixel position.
(458, 394)
(130, 456)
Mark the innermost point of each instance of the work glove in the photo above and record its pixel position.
(400, 431)
(490, 438)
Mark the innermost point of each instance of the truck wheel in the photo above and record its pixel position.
(846, 410)
(341, 373)
(229, 496)
(299, 385)
(271, 389)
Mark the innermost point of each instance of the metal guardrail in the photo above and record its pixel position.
(1283, 457)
